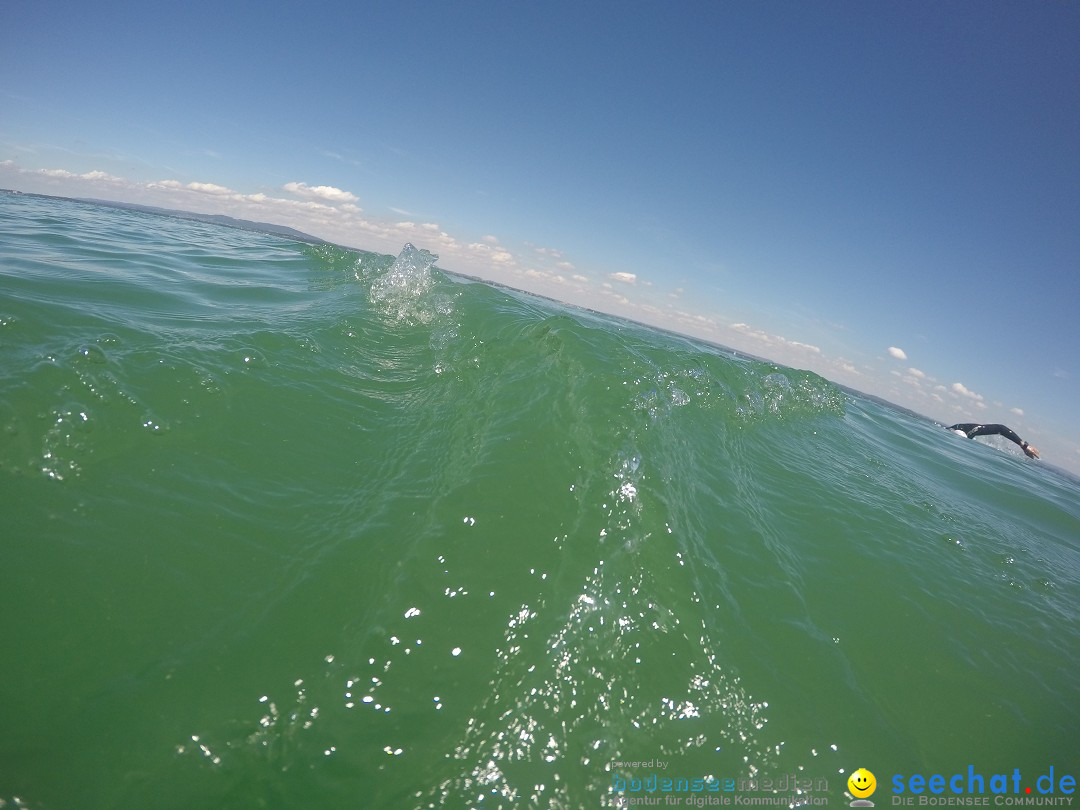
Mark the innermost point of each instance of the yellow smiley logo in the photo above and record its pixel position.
(862, 783)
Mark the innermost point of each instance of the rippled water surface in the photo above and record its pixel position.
(292, 526)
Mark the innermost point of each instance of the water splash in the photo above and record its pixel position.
(401, 293)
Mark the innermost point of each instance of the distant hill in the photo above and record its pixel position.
(216, 219)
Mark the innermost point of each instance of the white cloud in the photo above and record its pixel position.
(962, 390)
(773, 340)
(491, 251)
(899, 354)
(912, 381)
(209, 188)
(64, 174)
(914, 372)
(328, 193)
(100, 176)
(618, 297)
(542, 275)
(1016, 411)
(623, 278)
(201, 188)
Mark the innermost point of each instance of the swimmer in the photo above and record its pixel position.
(972, 430)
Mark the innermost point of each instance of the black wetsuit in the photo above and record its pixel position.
(973, 430)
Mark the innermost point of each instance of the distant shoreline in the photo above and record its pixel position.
(213, 219)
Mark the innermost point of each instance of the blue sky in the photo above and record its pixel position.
(886, 193)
